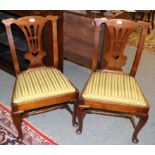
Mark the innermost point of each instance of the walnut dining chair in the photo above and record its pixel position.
(110, 90)
(39, 88)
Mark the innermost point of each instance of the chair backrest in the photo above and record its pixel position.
(32, 27)
(119, 31)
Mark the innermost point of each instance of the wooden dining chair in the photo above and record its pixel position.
(40, 88)
(111, 91)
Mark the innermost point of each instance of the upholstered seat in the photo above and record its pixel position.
(40, 83)
(114, 87)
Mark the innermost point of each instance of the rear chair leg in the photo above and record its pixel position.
(141, 123)
(17, 120)
(133, 121)
(74, 122)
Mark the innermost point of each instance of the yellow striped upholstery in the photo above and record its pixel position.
(114, 87)
(40, 83)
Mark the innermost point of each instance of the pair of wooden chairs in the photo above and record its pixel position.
(108, 91)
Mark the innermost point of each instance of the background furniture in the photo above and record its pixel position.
(39, 88)
(111, 91)
(145, 15)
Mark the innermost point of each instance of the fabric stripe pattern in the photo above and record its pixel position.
(40, 83)
(114, 87)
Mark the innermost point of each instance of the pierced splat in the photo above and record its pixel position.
(33, 34)
(119, 32)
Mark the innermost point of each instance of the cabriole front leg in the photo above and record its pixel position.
(142, 121)
(17, 121)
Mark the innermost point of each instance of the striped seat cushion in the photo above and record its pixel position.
(114, 87)
(40, 83)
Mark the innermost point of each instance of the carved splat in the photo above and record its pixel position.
(119, 32)
(33, 33)
(32, 27)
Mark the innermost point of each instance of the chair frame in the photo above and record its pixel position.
(115, 109)
(35, 56)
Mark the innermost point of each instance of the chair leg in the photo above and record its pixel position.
(17, 121)
(74, 122)
(81, 114)
(141, 123)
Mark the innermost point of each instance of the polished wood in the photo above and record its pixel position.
(32, 27)
(119, 30)
(47, 41)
